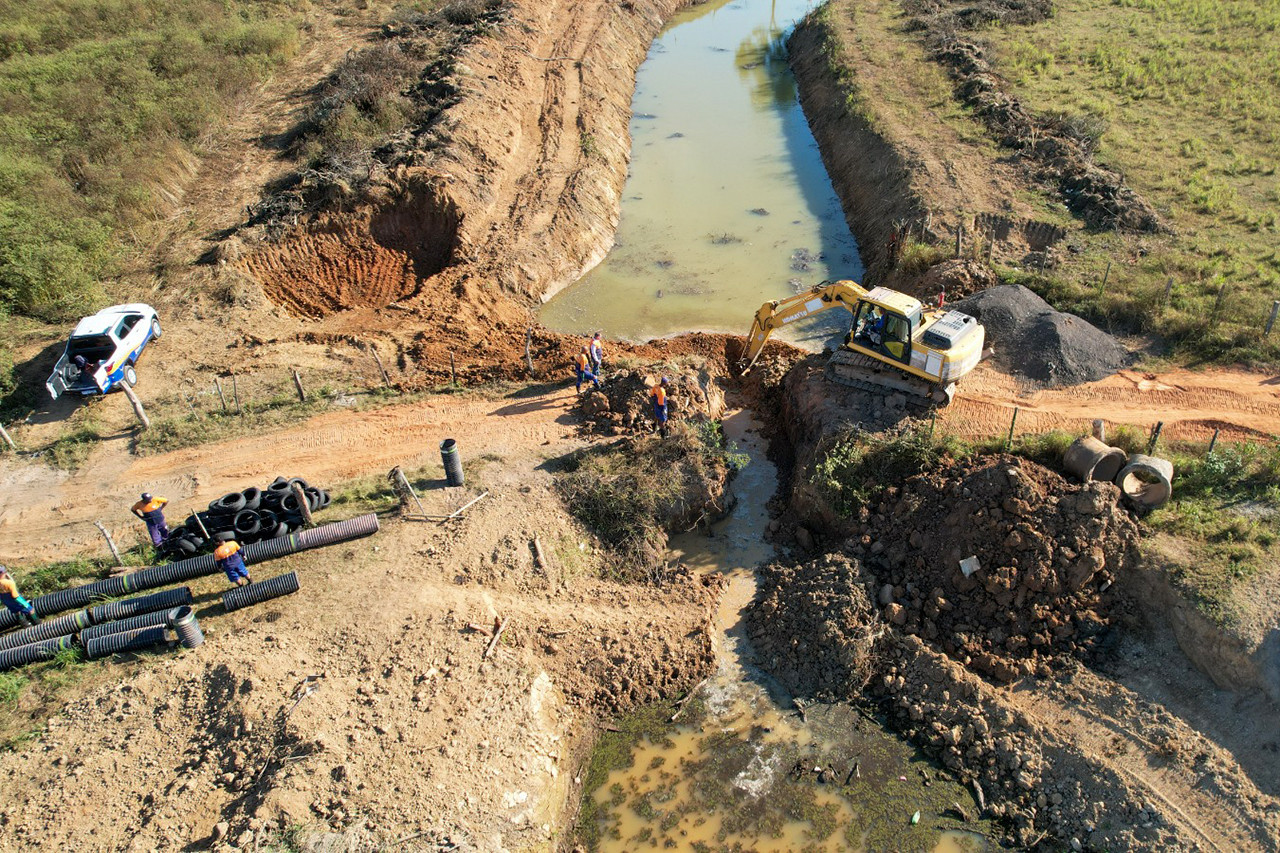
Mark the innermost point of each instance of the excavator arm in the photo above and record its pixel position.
(780, 312)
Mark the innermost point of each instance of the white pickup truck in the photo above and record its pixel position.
(103, 349)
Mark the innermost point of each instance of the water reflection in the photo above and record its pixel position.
(727, 203)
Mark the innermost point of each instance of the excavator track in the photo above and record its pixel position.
(856, 370)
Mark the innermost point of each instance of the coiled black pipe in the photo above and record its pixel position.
(183, 620)
(60, 627)
(32, 652)
(143, 620)
(339, 531)
(164, 600)
(124, 641)
(261, 591)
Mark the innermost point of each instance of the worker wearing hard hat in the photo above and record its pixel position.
(659, 395)
(151, 511)
(227, 556)
(14, 602)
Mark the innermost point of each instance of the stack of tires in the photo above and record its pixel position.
(253, 515)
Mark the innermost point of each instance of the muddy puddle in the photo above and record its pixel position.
(727, 203)
(742, 770)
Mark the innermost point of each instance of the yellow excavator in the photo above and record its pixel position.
(895, 343)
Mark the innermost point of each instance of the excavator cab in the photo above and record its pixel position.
(885, 331)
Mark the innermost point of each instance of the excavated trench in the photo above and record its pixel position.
(369, 260)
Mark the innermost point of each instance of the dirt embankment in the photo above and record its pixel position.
(411, 731)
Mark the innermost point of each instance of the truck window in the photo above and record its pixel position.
(126, 325)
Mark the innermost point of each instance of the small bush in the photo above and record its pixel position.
(916, 257)
(857, 466)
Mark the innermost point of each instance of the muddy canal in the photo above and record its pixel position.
(727, 203)
(743, 769)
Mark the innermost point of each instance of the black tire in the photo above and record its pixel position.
(247, 523)
(252, 497)
(281, 529)
(232, 502)
(324, 498)
(300, 482)
(313, 499)
(224, 535)
(186, 546)
(280, 486)
(155, 327)
(289, 504)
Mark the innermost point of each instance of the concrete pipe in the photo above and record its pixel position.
(1147, 481)
(1090, 459)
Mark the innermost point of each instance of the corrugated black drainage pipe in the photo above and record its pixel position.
(176, 572)
(271, 549)
(32, 652)
(125, 641)
(142, 620)
(183, 620)
(67, 599)
(452, 462)
(60, 627)
(261, 591)
(340, 531)
(165, 600)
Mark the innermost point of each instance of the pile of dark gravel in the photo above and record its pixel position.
(1033, 340)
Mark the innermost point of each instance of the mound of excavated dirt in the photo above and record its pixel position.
(621, 404)
(1048, 552)
(1031, 339)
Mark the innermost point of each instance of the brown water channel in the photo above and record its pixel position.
(743, 770)
(727, 203)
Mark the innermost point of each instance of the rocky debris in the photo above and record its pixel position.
(1033, 340)
(622, 405)
(1059, 148)
(816, 629)
(957, 277)
(1049, 552)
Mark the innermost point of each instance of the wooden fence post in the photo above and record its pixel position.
(115, 552)
(235, 393)
(1213, 442)
(528, 354)
(1155, 436)
(453, 370)
(1102, 288)
(1168, 291)
(1100, 429)
(1008, 442)
(1271, 321)
(386, 380)
(137, 405)
(959, 239)
(223, 397)
(1217, 303)
(303, 507)
(297, 380)
(4, 433)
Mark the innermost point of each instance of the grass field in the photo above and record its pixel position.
(1189, 94)
(100, 103)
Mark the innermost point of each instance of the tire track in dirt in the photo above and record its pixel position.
(54, 520)
(1192, 404)
(1114, 743)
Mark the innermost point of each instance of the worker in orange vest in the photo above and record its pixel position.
(583, 363)
(596, 350)
(227, 556)
(659, 395)
(151, 511)
(13, 600)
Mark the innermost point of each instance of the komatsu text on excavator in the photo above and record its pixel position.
(895, 342)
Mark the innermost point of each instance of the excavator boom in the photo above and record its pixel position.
(780, 312)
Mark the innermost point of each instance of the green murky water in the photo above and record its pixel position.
(742, 770)
(727, 203)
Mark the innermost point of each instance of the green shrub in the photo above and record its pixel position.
(856, 467)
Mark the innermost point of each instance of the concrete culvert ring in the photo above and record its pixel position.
(1147, 481)
(1090, 459)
